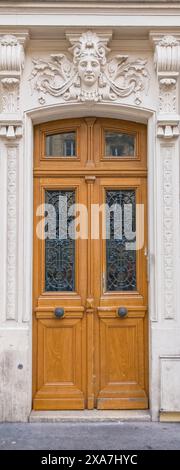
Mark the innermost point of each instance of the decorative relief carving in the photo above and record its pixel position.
(11, 66)
(11, 233)
(168, 232)
(90, 73)
(167, 57)
(10, 94)
(167, 64)
(11, 55)
(167, 95)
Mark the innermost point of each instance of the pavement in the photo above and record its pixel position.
(90, 436)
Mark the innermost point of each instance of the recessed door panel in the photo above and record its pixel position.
(122, 367)
(60, 382)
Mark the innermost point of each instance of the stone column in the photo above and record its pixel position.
(14, 332)
(165, 337)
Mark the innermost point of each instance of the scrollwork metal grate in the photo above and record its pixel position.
(60, 253)
(120, 262)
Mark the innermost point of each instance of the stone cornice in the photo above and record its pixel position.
(93, 1)
(111, 15)
(111, 3)
(93, 6)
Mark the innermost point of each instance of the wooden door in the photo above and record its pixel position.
(90, 290)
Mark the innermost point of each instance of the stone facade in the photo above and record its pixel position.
(41, 78)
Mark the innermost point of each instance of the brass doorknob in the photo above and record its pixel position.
(59, 312)
(122, 312)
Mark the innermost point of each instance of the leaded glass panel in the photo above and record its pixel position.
(120, 261)
(119, 145)
(60, 251)
(61, 145)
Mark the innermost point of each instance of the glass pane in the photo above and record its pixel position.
(119, 145)
(59, 247)
(120, 228)
(61, 145)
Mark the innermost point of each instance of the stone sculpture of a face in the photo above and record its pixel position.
(89, 70)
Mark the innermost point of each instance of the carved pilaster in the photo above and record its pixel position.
(167, 65)
(11, 67)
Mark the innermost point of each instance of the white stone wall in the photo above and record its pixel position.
(156, 102)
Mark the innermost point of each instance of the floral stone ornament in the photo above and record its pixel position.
(90, 73)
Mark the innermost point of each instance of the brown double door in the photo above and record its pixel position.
(90, 273)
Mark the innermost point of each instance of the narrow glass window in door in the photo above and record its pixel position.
(60, 247)
(120, 230)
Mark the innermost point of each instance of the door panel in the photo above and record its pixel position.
(59, 376)
(89, 353)
(60, 343)
(121, 342)
(122, 368)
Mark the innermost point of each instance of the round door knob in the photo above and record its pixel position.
(122, 312)
(59, 312)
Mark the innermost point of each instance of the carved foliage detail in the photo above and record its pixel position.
(89, 73)
(167, 95)
(10, 95)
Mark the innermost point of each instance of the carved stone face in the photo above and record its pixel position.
(89, 70)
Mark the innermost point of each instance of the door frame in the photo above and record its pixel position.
(66, 111)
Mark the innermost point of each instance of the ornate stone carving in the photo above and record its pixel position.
(90, 73)
(11, 55)
(167, 64)
(168, 232)
(10, 96)
(168, 130)
(167, 57)
(11, 66)
(167, 95)
(11, 233)
(11, 131)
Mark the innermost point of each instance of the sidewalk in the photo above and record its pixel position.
(90, 436)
